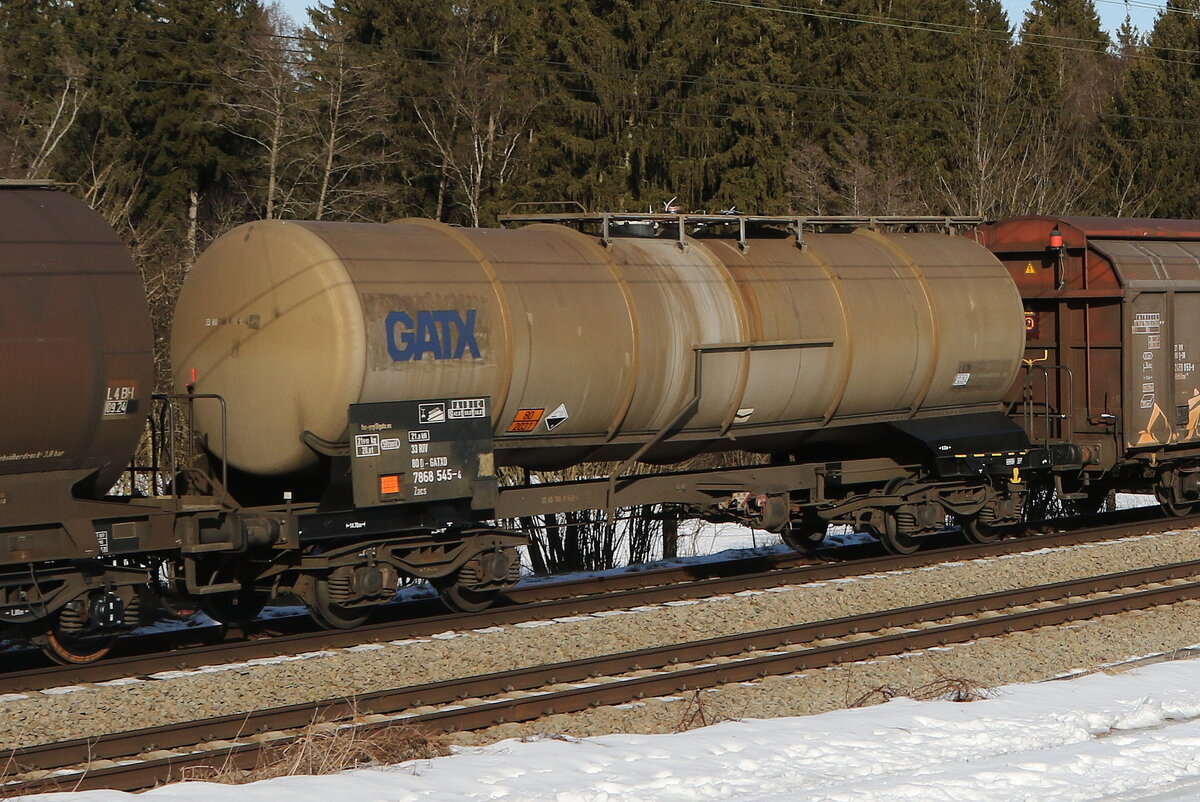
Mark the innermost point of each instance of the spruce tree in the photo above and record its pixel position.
(1064, 74)
(611, 111)
(895, 72)
(1149, 127)
(183, 75)
(41, 88)
(979, 165)
(737, 107)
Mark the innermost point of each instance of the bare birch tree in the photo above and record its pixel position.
(983, 164)
(477, 119)
(62, 114)
(263, 111)
(36, 125)
(346, 117)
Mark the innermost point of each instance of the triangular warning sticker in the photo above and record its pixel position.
(556, 417)
(1029, 269)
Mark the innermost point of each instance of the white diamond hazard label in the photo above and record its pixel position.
(555, 418)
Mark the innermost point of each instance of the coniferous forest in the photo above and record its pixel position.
(179, 119)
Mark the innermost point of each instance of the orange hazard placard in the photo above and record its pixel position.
(526, 420)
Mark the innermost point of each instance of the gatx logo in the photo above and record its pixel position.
(445, 333)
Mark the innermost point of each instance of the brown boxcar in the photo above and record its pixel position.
(1112, 329)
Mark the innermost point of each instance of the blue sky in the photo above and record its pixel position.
(1112, 12)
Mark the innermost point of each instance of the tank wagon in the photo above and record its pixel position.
(866, 366)
(80, 558)
(344, 396)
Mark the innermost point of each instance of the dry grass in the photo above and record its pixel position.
(947, 689)
(326, 749)
(8, 769)
(696, 713)
(319, 749)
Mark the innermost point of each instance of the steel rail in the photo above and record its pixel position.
(550, 601)
(488, 713)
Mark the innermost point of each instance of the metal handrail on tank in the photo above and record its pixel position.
(793, 223)
(566, 204)
(190, 398)
(692, 405)
(1028, 403)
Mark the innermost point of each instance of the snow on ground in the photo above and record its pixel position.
(1125, 501)
(1126, 736)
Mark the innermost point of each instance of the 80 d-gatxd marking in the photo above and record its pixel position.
(444, 333)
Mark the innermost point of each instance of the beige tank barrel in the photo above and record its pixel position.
(588, 350)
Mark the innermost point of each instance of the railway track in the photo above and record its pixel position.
(142, 758)
(577, 597)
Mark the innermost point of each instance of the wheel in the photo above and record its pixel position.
(73, 650)
(1166, 499)
(330, 615)
(68, 638)
(466, 600)
(232, 609)
(977, 531)
(805, 534)
(894, 542)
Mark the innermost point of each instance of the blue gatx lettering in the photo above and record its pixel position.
(444, 333)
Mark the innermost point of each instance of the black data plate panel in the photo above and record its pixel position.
(419, 451)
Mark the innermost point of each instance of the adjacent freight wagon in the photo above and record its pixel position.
(1112, 329)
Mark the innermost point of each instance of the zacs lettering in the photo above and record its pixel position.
(444, 333)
